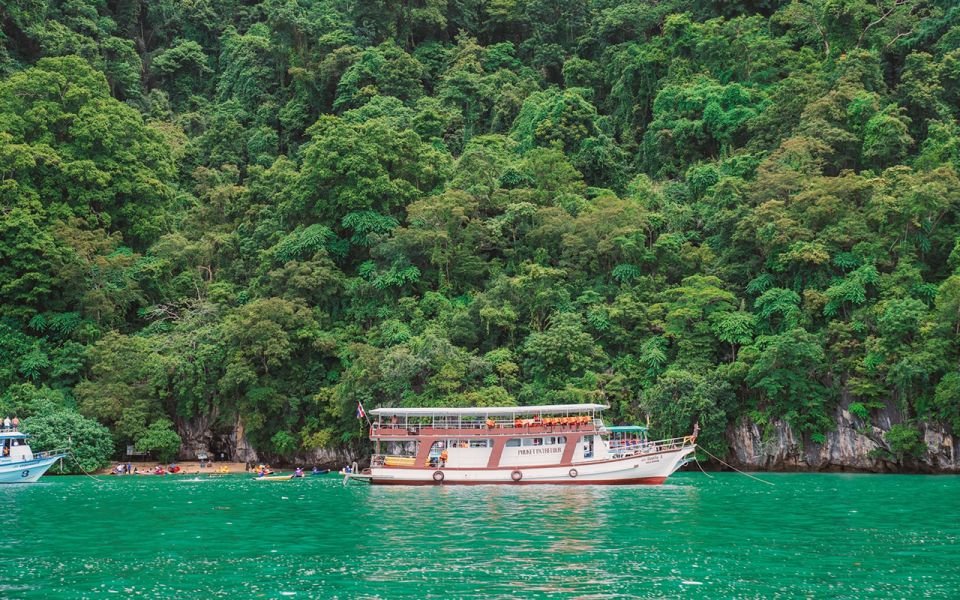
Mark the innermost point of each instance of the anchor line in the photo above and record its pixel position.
(81, 467)
(733, 467)
(701, 466)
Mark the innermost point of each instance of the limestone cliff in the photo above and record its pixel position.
(854, 445)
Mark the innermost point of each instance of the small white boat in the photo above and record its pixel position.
(18, 464)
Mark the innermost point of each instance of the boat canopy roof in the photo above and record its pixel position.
(626, 429)
(8, 434)
(489, 411)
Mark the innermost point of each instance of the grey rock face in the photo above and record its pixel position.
(853, 446)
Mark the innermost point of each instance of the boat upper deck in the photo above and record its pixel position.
(9, 433)
(407, 423)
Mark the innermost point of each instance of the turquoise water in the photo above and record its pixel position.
(809, 535)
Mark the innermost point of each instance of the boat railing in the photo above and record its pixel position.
(653, 446)
(490, 426)
(49, 453)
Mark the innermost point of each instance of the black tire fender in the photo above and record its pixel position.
(516, 476)
(438, 476)
(572, 473)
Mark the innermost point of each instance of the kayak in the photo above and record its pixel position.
(274, 478)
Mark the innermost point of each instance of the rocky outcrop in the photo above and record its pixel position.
(197, 438)
(855, 445)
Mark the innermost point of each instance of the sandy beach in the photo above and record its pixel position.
(186, 468)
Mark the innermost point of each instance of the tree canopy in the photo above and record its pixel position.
(223, 215)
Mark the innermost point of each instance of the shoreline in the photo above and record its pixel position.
(190, 467)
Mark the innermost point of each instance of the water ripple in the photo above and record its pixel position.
(159, 537)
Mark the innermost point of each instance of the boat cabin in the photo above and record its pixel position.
(497, 437)
(14, 446)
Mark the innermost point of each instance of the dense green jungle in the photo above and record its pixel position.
(229, 220)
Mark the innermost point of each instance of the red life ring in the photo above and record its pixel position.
(438, 476)
(516, 476)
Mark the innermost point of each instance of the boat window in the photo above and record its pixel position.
(514, 443)
(532, 441)
(479, 443)
(562, 439)
(406, 448)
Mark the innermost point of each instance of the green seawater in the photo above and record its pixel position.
(809, 535)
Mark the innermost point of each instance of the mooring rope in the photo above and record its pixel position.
(732, 467)
(701, 466)
(70, 454)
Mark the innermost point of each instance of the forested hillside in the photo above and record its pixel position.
(224, 217)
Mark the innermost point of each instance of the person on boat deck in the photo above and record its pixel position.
(443, 458)
(15, 423)
(6, 423)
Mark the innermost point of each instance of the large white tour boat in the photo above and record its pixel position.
(18, 464)
(558, 444)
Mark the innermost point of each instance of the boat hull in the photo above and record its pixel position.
(26, 471)
(644, 469)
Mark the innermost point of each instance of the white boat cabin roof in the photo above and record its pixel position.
(12, 434)
(489, 411)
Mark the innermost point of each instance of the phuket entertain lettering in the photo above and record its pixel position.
(548, 450)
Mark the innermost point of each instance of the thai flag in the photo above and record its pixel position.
(360, 412)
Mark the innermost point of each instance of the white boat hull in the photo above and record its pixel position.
(28, 471)
(649, 469)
